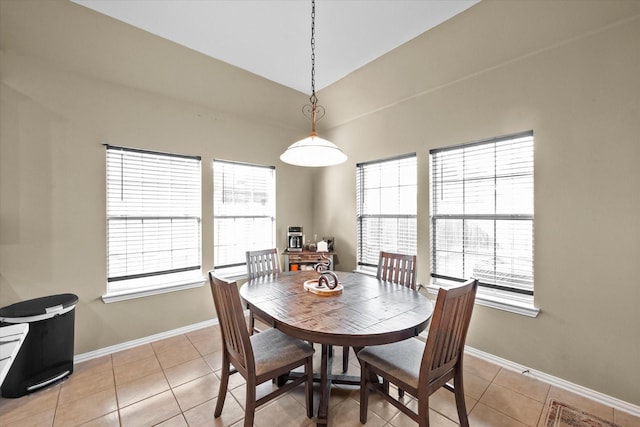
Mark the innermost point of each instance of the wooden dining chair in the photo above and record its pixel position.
(396, 268)
(258, 358)
(261, 263)
(422, 368)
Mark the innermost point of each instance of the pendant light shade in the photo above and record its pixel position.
(313, 151)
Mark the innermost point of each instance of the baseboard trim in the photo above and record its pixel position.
(507, 364)
(558, 382)
(145, 340)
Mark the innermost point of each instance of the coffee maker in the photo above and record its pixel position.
(295, 239)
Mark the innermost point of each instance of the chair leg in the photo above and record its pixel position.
(250, 404)
(345, 359)
(385, 386)
(222, 392)
(309, 386)
(364, 392)
(423, 413)
(252, 324)
(458, 390)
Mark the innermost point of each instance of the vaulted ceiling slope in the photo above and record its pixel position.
(271, 38)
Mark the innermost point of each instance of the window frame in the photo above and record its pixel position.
(237, 269)
(138, 168)
(367, 252)
(510, 298)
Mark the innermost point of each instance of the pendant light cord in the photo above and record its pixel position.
(312, 110)
(313, 97)
(313, 151)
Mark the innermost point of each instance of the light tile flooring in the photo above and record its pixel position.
(174, 382)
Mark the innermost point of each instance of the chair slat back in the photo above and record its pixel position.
(262, 263)
(448, 330)
(397, 268)
(235, 334)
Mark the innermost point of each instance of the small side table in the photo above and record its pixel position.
(305, 260)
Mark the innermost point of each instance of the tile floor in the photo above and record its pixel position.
(174, 382)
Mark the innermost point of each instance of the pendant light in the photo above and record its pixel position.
(313, 151)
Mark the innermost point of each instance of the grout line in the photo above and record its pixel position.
(55, 409)
(115, 389)
(545, 407)
(485, 390)
(512, 392)
(164, 374)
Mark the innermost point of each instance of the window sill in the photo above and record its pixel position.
(365, 272)
(488, 300)
(499, 302)
(234, 275)
(124, 295)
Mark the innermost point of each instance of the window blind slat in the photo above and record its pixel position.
(482, 213)
(153, 215)
(386, 204)
(244, 211)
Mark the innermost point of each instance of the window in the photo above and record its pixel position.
(244, 213)
(153, 222)
(386, 198)
(482, 215)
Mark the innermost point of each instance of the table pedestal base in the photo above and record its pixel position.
(327, 379)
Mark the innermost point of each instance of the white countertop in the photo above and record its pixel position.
(11, 339)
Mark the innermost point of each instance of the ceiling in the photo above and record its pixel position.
(271, 38)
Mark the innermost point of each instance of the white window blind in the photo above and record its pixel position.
(386, 199)
(244, 209)
(153, 218)
(482, 214)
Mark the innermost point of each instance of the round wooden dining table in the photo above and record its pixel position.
(368, 311)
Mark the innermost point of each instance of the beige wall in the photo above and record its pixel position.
(570, 71)
(72, 79)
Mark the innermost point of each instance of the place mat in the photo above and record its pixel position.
(563, 415)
